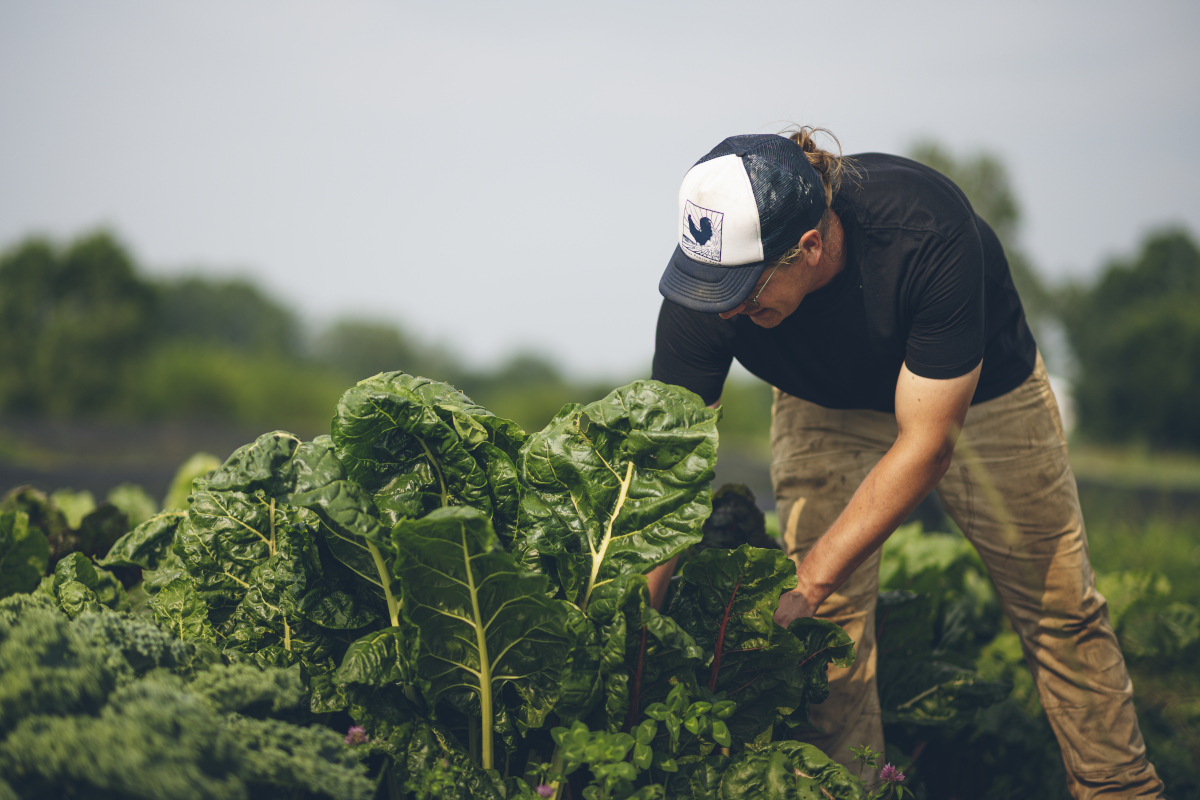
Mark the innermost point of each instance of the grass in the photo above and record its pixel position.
(1135, 467)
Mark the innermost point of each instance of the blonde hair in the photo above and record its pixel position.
(832, 169)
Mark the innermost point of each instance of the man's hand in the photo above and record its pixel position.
(929, 415)
(793, 605)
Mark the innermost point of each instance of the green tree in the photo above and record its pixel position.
(73, 322)
(1136, 336)
(359, 349)
(232, 313)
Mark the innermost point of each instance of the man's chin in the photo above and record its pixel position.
(766, 318)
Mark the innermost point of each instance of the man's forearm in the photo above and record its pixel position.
(658, 580)
(890, 492)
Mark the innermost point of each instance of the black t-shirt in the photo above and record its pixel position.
(925, 284)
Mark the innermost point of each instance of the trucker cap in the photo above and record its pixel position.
(740, 207)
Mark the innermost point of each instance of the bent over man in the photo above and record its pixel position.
(881, 308)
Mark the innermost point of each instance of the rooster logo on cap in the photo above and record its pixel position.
(703, 233)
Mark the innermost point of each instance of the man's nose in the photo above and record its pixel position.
(733, 312)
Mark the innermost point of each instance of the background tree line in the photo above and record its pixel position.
(85, 334)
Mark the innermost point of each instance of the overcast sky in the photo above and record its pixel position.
(504, 175)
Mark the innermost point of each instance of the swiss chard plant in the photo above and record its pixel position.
(456, 588)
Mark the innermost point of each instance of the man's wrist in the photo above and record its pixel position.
(809, 591)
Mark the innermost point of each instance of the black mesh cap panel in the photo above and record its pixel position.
(787, 189)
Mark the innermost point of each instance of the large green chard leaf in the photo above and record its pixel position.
(484, 621)
(308, 475)
(178, 608)
(24, 554)
(418, 445)
(617, 486)
(253, 562)
(726, 601)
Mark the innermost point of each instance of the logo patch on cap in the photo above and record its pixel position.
(702, 232)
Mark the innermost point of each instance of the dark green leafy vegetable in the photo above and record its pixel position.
(145, 545)
(24, 554)
(97, 529)
(626, 654)
(418, 445)
(618, 486)
(379, 658)
(85, 713)
(251, 575)
(177, 607)
(431, 743)
(726, 601)
(788, 771)
(80, 586)
(485, 622)
(1148, 623)
(280, 468)
(43, 514)
(937, 608)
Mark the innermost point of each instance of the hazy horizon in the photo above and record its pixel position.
(501, 178)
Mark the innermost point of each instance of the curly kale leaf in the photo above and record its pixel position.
(90, 708)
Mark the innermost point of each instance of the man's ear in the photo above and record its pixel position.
(812, 245)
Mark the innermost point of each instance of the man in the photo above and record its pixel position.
(881, 309)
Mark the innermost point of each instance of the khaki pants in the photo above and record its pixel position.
(1011, 490)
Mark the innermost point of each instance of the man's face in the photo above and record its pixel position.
(782, 291)
(780, 297)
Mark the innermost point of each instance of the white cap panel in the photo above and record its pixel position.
(718, 218)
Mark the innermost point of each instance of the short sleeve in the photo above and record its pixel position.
(948, 331)
(692, 350)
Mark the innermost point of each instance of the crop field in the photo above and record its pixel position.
(433, 602)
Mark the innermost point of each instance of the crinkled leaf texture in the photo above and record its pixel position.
(787, 771)
(418, 445)
(380, 658)
(145, 545)
(726, 600)
(308, 475)
(248, 554)
(24, 554)
(914, 686)
(484, 621)
(80, 586)
(618, 486)
(626, 656)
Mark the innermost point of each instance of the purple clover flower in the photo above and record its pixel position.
(891, 774)
(356, 735)
(545, 791)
